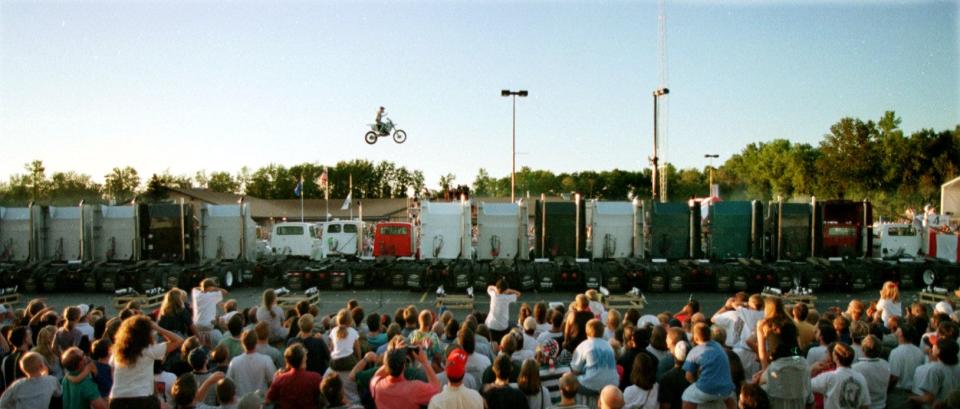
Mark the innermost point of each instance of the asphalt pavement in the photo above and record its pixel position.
(387, 301)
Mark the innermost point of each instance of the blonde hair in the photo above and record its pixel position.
(890, 291)
(46, 345)
(172, 302)
(344, 321)
(582, 302)
(613, 318)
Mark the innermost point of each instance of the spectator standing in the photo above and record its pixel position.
(730, 319)
(21, 340)
(295, 387)
(498, 319)
(67, 335)
(232, 339)
(134, 355)
(843, 387)
(575, 327)
(708, 369)
(455, 395)
(806, 332)
(424, 338)
(889, 304)
(637, 340)
(826, 335)
(205, 300)
(476, 362)
(775, 317)
(251, 371)
(671, 386)
(346, 343)
(103, 376)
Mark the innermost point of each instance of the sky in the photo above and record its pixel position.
(208, 85)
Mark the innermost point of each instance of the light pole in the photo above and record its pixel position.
(513, 145)
(711, 156)
(659, 92)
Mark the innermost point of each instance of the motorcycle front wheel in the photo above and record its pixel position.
(399, 136)
(370, 137)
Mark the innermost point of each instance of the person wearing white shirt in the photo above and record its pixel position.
(205, 299)
(889, 304)
(827, 335)
(941, 377)
(498, 320)
(904, 361)
(251, 371)
(133, 380)
(642, 393)
(730, 319)
(843, 387)
(875, 370)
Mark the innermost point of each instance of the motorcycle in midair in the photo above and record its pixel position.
(387, 129)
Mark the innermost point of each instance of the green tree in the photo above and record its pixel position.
(223, 182)
(484, 185)
(69, 188)
(38, 179)
(121, 184)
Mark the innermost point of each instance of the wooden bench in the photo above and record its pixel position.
(291, 300)
(11, 299)
(789, 300)
(932, 298)
(455, 302)
(623, 302)
(147, 302)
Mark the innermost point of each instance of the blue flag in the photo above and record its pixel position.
(299, 189)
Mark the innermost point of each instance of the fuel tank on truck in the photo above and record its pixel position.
(502, 231)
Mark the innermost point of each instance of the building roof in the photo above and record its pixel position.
(313, 209)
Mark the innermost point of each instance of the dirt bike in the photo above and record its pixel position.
(387, 128)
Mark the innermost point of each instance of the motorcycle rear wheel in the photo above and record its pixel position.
(399, 136)
(370, 137)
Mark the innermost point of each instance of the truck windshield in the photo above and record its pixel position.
(902, 231)
(394, 230)
(349, 228)
(290, 230)
(333, 228)
(842, 231)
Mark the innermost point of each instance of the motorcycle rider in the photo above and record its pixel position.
(381, 127)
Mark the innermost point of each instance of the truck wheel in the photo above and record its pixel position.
(30, 284)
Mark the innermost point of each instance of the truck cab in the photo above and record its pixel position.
(895, 240)
(296, 239)
(393, 239)
(341, 238)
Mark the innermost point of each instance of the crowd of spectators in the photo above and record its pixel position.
(201, 350)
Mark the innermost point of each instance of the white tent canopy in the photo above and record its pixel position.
(950, 199)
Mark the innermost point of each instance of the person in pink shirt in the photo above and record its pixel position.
(391, 390)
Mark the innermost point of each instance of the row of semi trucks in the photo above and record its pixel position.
(546, 244)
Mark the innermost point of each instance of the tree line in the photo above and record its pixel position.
(856, 159)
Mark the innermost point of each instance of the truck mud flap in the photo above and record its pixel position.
(416, 275)
(461, 276)
(547, 275)
(526, 276)
(592, 274)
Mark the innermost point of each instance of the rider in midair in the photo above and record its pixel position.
(380, 126)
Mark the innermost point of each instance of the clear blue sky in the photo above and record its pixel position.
(212, 85)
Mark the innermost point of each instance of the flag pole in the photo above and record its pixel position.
(326, 194)
(350, 192)
(302, 191)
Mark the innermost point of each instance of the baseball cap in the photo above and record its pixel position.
(680, 351)
(456, 363)
(648, 319)
(530, 324)
(84, 309)
(943, 307)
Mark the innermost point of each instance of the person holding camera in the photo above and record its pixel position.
(391, 390)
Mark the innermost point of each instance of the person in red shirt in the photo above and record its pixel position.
(295, 387)
(391, 390)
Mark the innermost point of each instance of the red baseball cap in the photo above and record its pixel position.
(456, 363)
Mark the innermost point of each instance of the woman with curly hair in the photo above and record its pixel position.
(174, 315)
(775, 317)
(133, 356)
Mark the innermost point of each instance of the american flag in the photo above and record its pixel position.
(322, 180)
